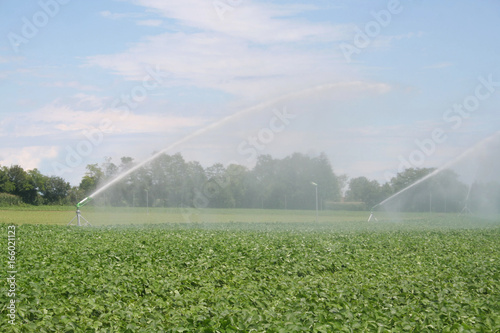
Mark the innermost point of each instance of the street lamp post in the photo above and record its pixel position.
(316, 186)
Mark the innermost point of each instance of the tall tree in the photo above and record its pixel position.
(56, 189)
(92, 178)
(265, 182)
(39, 180)
(6, 185)
(441, 192)
(363, 190)
(196, 179)
(217, 188)
(22, 184)
(239, 183)
(287, 183)
(408, 177)
(329, 186)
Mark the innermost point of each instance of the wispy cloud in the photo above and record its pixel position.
(57, 118)
(259, 23)
(28, 157)
(254, 53)
(218, 62)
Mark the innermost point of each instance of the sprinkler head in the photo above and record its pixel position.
(83, 202)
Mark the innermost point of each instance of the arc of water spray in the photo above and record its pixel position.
(209, 128)
(445, 166)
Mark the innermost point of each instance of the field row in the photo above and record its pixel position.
(106, 216)
(99, 216)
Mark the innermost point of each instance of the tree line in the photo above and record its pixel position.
(32, 187)
(170, 181)
(288, 183)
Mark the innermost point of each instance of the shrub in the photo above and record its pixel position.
(9, 200)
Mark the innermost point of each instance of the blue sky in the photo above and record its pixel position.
(84, 80)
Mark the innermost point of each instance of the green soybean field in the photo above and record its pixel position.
(426, 274)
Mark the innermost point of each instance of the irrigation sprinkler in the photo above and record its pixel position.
(79, 216)
(372, 216)
(466, 210)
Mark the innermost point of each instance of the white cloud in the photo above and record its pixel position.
(27, 157)
(259, 23)
(219, 62)
(260, 50)
(60, 119)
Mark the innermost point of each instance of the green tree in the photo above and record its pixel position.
(92, 178)
(239, 183)
(329, 185)
(196, 179)
(446, 192)
(217, 188)
(21, 184)
(56, 189)
(109, 169)
(6, 185)
(286, 183)
(168, 174)
(441, 192)
(264, 184)
(124, 193)
(75, 195)
(363, 190)
(408, 177)
(39, 181)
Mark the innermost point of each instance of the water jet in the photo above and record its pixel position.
(478, 148)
